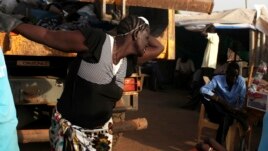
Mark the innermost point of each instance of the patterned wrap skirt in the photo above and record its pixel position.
(67, 137)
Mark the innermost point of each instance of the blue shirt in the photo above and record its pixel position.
(8, 118)
(218, 85)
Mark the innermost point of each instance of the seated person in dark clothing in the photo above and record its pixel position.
(194, 97)
(183, 72)
(156, 78)
(224, 98)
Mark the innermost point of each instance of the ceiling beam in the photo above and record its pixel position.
(187, 5)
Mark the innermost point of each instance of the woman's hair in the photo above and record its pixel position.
(131, 23)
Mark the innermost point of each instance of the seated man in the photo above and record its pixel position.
(224, 98)
(156, 78)
(184, 70)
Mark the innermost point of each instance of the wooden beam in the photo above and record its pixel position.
(130, 125)
(33, 135)
(42, 135)
(205, 6)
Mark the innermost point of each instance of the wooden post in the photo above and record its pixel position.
(253, 49)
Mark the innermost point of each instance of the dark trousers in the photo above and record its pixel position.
(156, 79)
(183, 80)
(217, 114)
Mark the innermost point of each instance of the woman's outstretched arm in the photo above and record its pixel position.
(67, 41)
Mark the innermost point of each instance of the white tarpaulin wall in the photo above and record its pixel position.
(235, 18)
(256, 19)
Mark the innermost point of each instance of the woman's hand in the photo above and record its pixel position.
(153, 49)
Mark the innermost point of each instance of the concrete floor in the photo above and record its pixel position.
(170, 127)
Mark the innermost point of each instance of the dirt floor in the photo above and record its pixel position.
(170, 127)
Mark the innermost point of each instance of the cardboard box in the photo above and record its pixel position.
(258, 101)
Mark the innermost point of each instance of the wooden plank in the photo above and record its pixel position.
(131, 100)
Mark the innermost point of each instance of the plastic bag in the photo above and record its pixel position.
(262, 69)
